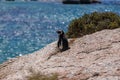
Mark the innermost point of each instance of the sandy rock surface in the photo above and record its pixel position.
(92, 57)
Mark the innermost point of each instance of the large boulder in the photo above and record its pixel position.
(92, 57)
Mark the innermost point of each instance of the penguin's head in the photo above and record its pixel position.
(60, 32)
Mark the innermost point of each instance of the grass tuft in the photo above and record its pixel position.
(39, 76)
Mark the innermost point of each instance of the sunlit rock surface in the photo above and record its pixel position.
(92, 57)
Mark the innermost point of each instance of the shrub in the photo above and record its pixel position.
(90, 23)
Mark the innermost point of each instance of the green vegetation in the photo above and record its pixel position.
(90, 23)
(39, 76)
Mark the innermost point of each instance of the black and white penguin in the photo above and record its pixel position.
(62, 43)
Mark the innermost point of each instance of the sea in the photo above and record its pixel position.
(26, 27)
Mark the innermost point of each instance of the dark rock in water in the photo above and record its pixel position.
(95, 1)
(34, 0)
(80, 1)
(10, 0)
(71, 1)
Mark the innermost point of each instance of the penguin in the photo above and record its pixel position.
(62, 43)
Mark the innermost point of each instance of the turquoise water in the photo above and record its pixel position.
(26, 27)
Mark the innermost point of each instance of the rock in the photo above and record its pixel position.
(80, 1)
(92, 57)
